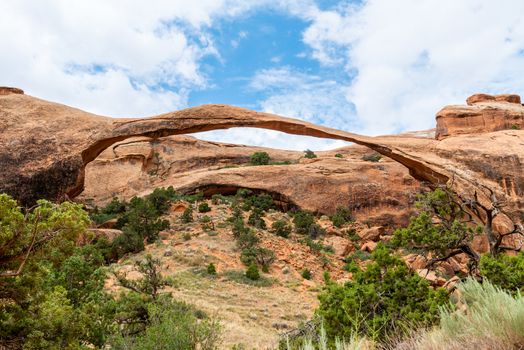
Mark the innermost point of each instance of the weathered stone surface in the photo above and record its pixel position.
(45, 146)
(383, 188)
(484, 113)
(5, 90)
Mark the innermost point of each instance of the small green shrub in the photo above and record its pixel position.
(247, 239)
(515, 127)
(186, 236)
(315, 231)
(203, 208)
(338, 155)
(211, 269)
(352, 235)
(259, 158)
(281, 228)
(341, 217)
(373, 157)
(306, 274)
(303, 221)
(309, 154)
(255, 219)
(187, 215)
(257, 255)
(252, 272)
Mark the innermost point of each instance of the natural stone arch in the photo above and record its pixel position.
(45, 146)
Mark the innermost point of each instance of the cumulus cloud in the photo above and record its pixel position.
(299, 95)
(110, 57)
(412, 57)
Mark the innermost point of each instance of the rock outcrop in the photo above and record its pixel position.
(377, 192)
(484, 113)
(44, 148)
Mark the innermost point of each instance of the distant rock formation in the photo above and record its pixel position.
(484, 113)
(44, 148)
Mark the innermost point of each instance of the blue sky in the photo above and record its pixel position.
(373, 67)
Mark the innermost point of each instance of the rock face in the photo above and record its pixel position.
(44, 148)
(484, 113)
(381, 192)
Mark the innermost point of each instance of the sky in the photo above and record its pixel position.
(372, 67)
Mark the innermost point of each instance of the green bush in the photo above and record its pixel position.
(211, 269)
(303, 221)
(252, 272)
(255, 219)
(373, 157)
(142, 217)
(247, 239)
(281, 228)
(203, 208)
(505, 271)
(341, 217)
(259, 158)
(384, 298)
(306, 274)
(309, 154)
(315, 231)
(263, 202)
(339, 155)
(187, 215)
(257, 255)
(172, 326)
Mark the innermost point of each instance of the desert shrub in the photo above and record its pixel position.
(352, 235)
(339, 155)
(205, 219)
(259, 158)
(187, 215)
(252, 272)
(494, 319)
(239, 228)
(384, 298)
(161, 198)
(257, 255)
(246, 239)
(255, 219)
(341, 216)
(303, 221)
(193, 198)
(450, 235)
(220, 199)
(177, 326)
(211, 269)
(243, 193)
(373, 157)
(203, 208)
(143, 217)
(110, 211)
(505, 271)
(262, 202)
(315, 231)
(309, 154)
(281, 228)
(306, 274)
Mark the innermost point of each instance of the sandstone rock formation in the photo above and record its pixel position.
(44, 148)
(484, 113)
(378, 192)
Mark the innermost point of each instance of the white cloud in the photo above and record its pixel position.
(298, 95)
(116, 58)
(415, 56)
